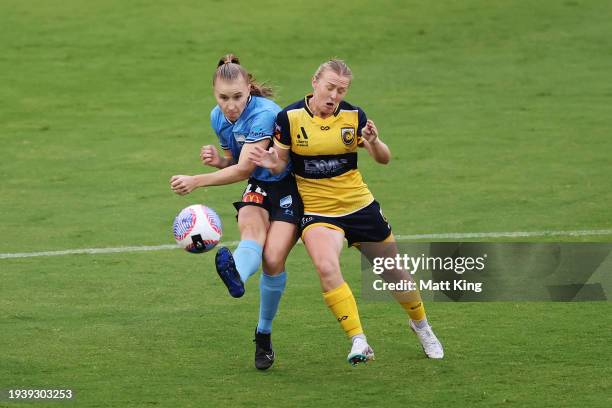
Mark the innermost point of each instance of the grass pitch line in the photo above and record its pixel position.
(515, 234)
(99, 250)
(416, 237)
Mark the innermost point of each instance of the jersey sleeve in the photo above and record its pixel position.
(362, 120)
(262, 127)
(282, 133)
(216, 127)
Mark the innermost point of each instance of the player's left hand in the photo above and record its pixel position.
(182, 184)
(264, 158)
(370, 132)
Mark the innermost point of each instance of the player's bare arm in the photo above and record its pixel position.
(185, 184)
(372, 143)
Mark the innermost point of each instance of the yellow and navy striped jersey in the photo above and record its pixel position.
(324, 157)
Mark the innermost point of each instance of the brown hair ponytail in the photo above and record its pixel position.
(229, 69)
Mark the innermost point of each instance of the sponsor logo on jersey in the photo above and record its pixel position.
(302, 137)
(306, 220)
(348, 135)
(277, 132)
(252, 197)
(303, 134)
(259, 134)
(256, 196)
(286, 202)
(323, 167)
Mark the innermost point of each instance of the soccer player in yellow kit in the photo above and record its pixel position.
(320, 134)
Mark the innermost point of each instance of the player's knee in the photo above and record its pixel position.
(252, 230)
(273, 261)
(327, 267)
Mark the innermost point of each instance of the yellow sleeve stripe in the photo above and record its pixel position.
(281, 145)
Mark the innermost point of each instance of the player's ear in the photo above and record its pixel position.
(314, 82)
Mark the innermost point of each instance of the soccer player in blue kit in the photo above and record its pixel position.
(270, 208)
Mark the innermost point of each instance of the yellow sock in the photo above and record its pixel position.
(412, 303)
(415, 309)
(342, 304)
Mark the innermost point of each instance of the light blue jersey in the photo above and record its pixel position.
(254, 124)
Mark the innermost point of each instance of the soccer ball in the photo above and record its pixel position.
(197, 229)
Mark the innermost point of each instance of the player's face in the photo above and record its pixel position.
(232, 97)
(328, 91)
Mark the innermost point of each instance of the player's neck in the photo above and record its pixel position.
(315, 111)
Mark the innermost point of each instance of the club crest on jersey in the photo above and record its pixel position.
(240, 139)
(286, 202)
(348, 135)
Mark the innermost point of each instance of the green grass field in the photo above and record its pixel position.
(498, 117)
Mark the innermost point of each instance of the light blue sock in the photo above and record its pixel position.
(271, 290)
(247, 258)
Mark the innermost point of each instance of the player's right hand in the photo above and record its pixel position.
(264, 158)
(210, 156)
(370, 132)
(182, 184)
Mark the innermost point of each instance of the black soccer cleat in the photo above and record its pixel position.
(264, 355)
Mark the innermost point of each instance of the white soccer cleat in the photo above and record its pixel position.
(361, 352)
(430, 343)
